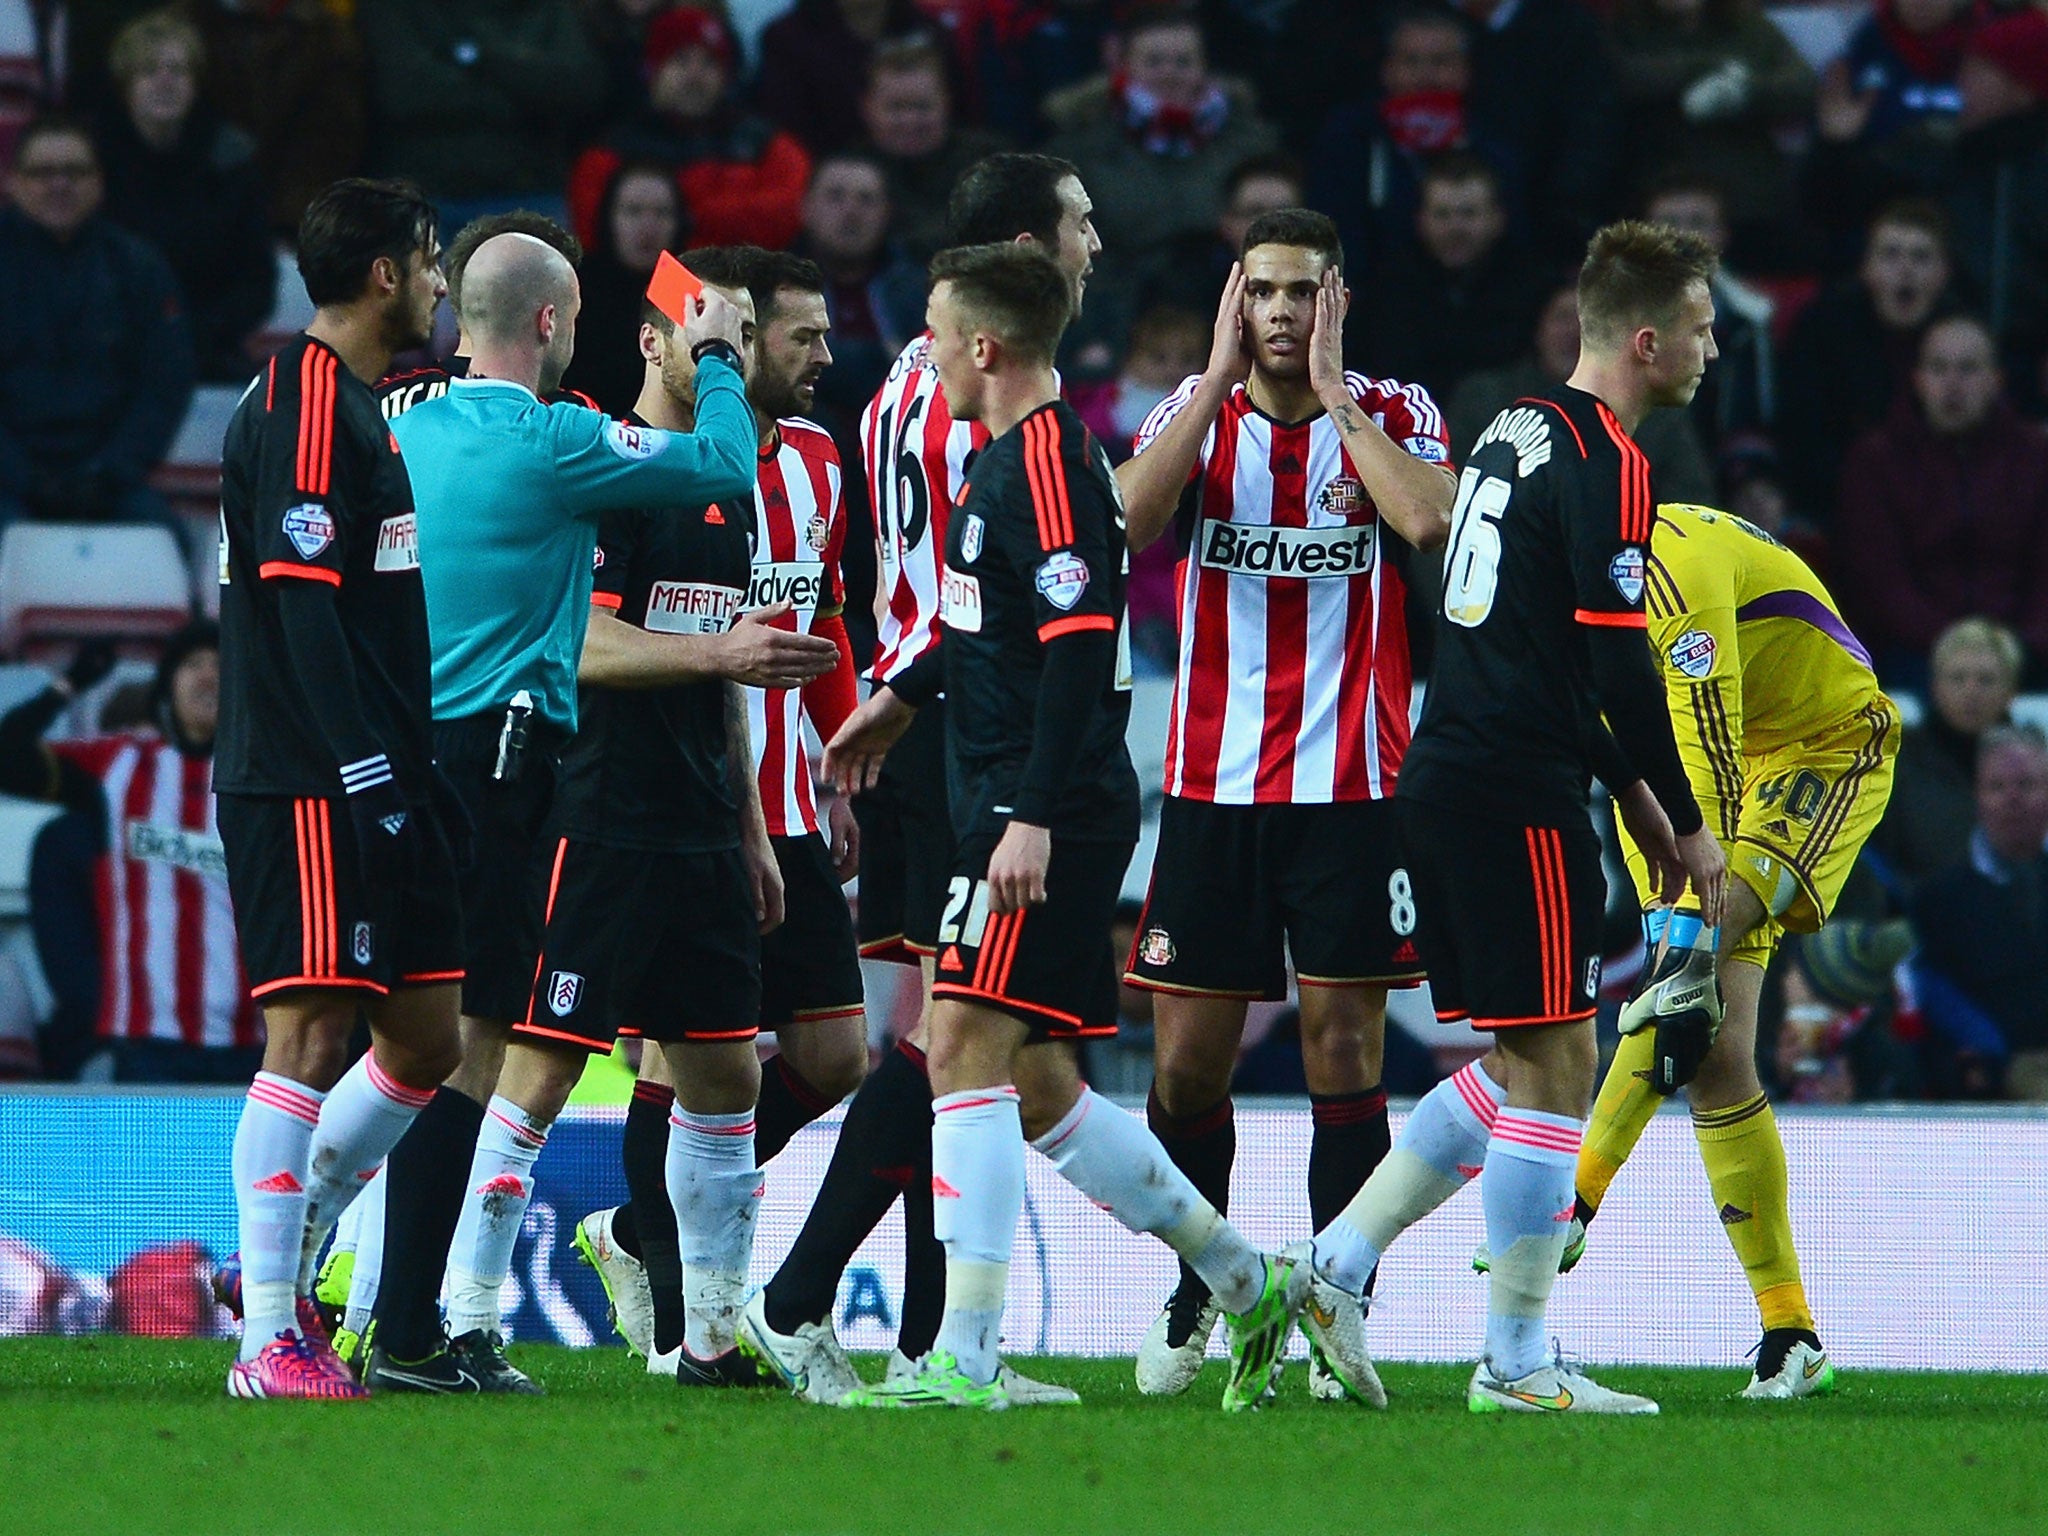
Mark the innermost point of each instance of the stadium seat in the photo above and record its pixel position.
(191, 468)
(61, 581)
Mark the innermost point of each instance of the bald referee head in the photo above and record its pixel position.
(519, 305)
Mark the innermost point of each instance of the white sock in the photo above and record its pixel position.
(270, 1171)
(1113, 1158)
(367, 1216)
(715, 1187)
(365, 1114)
(977, 1196)
(500, 1185)
(1531, 1163)
(1441, 1149)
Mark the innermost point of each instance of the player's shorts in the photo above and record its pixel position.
(810, 966)
(1236, 889)
(663, 945)
(305, 918)
(907, 845)
(1052, 966)
(504, 885)
(1806, 812)
(1508, 917)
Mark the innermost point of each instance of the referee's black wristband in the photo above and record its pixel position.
(721, 349)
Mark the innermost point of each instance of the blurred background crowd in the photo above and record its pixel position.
(1876, 176)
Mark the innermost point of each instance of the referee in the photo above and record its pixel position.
(509, 491)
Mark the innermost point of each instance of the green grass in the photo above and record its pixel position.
(121, 1435)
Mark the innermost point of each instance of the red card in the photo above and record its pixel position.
(673, 289)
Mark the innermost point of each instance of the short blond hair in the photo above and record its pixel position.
(135, 45)
(1987, 636)
(1636, 273)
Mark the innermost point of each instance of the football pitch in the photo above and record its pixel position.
(115, 1435)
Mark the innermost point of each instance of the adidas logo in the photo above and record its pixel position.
(1406, 954)
(394, 823)
(282, 1183)
(1470, 1170)
(941, 1190)
(714, 517)
(504, 1184)
(1733, 1215)
(950, 961)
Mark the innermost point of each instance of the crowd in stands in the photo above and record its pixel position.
(1876, 180)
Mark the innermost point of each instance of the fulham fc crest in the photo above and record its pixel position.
(361, 945)
(565, 991)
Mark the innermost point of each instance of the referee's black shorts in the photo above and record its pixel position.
(906, 844)
(504, 886)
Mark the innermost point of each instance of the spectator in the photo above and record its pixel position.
(1831, 1047)
(1157, 140)
(1851, 352)
(907, 110)
(96, 360)
(1366, 172)
(1028, 51)
(289, 73)
(814, 65)
(1973, 678)
(1679, 468)
(152, 901)
(1898, 74)
(741, 178)
(1999, 190)
(186, 182)
(874, 299)
(1543, 87)
(1201, 262)
(1739, 393)
(642, 216)
(1887, 110)
(1753, 488)
(476, 99)
(1945, 508)
(1983, 927)
(1736, 81)
(618, 35)
(1463, 299)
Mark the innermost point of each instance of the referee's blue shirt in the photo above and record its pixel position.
(508, 492)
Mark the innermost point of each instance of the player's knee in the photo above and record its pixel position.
(831, 1058)
(1191, 1069)
(540, 1078)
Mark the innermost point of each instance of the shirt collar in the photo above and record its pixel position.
(514, 385)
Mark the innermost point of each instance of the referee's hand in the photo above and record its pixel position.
(756, 653)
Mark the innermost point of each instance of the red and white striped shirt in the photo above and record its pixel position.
(916, 462)
(170, 965)
(799, 532)
(1293, 682)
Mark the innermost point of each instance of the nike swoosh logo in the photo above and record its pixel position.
(433, 1383)
(1556, 1404)
(1815, 1367)
(1321, 1315)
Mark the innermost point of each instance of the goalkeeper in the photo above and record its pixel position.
(1789, 744)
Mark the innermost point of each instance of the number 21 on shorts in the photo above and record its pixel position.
(972, 897)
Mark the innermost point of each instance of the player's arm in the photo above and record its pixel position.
(301, 523)
(1410, 482)
(620, 655)
(1607, 530)
(1169, 444)
(744, 783)
(831, 696)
